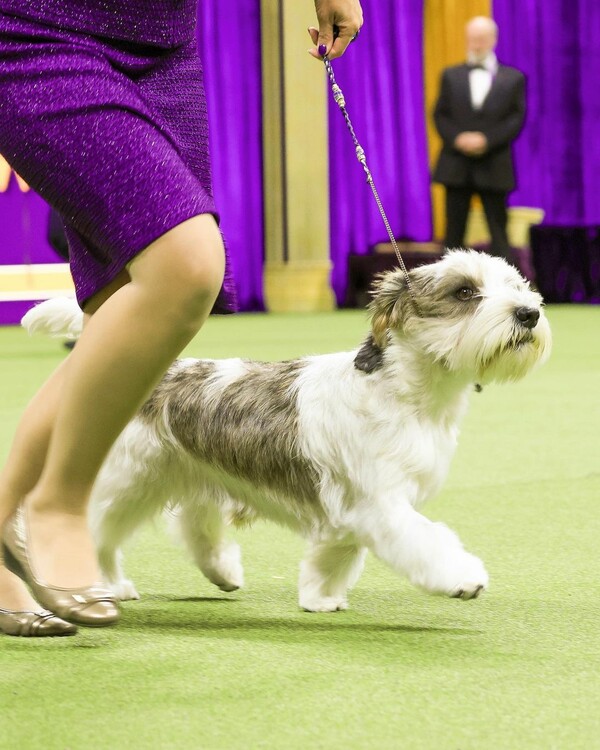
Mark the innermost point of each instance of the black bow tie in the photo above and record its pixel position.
(477, 66)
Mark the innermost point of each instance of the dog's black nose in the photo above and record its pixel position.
(527, 316)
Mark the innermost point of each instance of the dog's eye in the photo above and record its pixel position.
(465, 293)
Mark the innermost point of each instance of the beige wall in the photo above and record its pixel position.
(295, 161)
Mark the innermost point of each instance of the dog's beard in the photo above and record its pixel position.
(490, 345)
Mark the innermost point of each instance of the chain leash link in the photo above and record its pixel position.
(360, 155)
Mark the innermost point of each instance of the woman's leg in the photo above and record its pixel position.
(127, 345)
(23, 469)
(25, 463)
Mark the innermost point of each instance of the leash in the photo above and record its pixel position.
(360, 155)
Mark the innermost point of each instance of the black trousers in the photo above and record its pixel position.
(458, 200)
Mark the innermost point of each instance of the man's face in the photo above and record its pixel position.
(480, 41)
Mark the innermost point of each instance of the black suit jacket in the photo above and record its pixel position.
(500, 119)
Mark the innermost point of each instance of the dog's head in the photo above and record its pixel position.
(474, 314)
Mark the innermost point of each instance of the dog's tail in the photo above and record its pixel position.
(60, 317)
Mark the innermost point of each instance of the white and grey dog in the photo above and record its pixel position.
(342, 448)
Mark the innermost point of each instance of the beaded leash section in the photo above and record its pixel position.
(360, 155)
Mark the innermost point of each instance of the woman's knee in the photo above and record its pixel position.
(183, 269)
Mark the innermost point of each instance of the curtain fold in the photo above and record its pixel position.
(556, 44)
(229, 43)
(382, 80)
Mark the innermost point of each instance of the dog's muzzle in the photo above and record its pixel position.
(527, 316)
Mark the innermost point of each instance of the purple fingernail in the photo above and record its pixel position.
(322, 50)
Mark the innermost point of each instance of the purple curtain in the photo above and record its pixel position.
(229, 43)
(24, 223)
(556, 43)
(382, 80)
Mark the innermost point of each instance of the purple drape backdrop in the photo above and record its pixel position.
(23, 225)
(382, 80)
(556, 43)
(558, 154)
(229, 45)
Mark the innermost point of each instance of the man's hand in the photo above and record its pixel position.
(471, 143)
(346, 16)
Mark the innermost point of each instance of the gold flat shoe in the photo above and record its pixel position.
(94, 606)
(34, 624)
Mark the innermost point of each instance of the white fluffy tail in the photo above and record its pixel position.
(60, 317)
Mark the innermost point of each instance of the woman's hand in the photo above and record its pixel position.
(347, 18)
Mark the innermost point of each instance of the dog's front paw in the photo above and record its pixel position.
(124, 590)
(322, 604)
(449, 570)
(470, 578)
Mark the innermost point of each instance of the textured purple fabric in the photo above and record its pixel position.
(166, 23)
(382, 80)
(230, 50)
(113, 136)
(556, 44)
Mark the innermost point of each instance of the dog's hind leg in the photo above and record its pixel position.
(202, 527)
(115, 513)
(331, 567)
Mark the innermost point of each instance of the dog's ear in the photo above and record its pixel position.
(369, 357)
(387, 307)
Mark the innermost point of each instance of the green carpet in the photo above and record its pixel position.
(190, 667)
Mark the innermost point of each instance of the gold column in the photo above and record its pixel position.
(444, 24)
(295, 162)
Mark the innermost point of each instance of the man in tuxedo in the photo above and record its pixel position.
(479, 112)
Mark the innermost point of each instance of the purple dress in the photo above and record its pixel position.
(103, 113)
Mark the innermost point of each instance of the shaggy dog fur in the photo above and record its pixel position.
(342, 448)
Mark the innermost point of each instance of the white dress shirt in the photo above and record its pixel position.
(480, 80)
